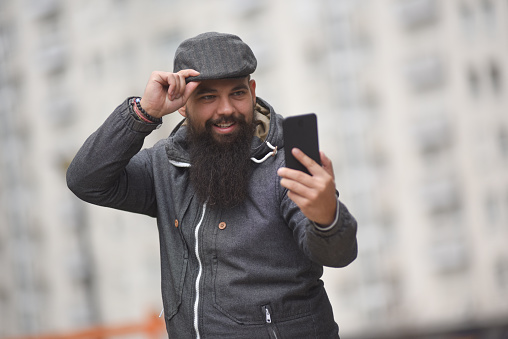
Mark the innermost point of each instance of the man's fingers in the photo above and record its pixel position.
(188, 73)
(166, 92)
(297, 186)
(327, 164)
(296, 176)
(174, 86)
(180, 86)
(306, 161)
(174, 82)
(189, 88)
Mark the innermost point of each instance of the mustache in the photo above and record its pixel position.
(226, 120)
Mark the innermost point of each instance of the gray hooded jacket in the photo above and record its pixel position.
(252, 271)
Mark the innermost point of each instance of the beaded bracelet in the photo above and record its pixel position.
(139, 114)
(144, 115)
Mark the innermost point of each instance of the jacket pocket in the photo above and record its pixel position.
(172, 290)
(239, 294)
(236, 302)
(174, 262)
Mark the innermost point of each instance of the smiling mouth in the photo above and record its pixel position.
(224, 124)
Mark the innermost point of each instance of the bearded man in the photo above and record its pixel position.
(243, 240)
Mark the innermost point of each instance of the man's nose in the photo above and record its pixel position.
(225, 107)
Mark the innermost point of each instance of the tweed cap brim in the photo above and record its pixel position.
(215, 56)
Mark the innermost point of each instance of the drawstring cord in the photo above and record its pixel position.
(272, 154)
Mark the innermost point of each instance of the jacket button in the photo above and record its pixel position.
(222, 225)
(176, 222)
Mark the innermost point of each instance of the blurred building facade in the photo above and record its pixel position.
(411, 97)
(421, 93)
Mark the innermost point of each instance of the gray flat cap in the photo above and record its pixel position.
(215, 56)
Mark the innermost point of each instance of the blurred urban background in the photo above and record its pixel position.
(412, 102)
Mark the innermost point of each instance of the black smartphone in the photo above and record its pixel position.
(301, 131)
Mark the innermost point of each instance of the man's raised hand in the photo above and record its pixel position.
(315, 193)
(166, 92)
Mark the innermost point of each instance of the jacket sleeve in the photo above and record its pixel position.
(109, 169)
(334, 247)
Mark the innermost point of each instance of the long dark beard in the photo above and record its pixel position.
(220, 164)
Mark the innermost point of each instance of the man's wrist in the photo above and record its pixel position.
(146, 107)
(143, 115)
(137, 116)
(324, 228)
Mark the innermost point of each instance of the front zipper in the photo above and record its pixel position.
(200, 271)
(268, 316)
(270, 326)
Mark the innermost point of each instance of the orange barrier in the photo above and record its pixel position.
(152, 328)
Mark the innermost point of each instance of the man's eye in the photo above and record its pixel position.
(238, 93)
(207, 97)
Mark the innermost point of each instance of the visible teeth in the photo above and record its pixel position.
(224, 125)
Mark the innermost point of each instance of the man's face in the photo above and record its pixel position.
(219, 105)
(220, 114)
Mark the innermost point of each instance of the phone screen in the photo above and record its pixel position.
(301, 131)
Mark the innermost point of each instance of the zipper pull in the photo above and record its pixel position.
(268, 316)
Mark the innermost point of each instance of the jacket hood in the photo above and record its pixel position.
(266, 141)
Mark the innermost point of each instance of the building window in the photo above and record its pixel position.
(61, 113)
(433, 134)
(467, 19)
(425, 72)
(492, 209)
(416, 13)
(42, 8)
(489, 13)
(501, 272)
(449, 255)
(95, 66)
(52, 51)
(248, 9)
(473, 82)
(495, 77)
(166, 45)
(6, 43)
(441, 196)
(502, 139)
